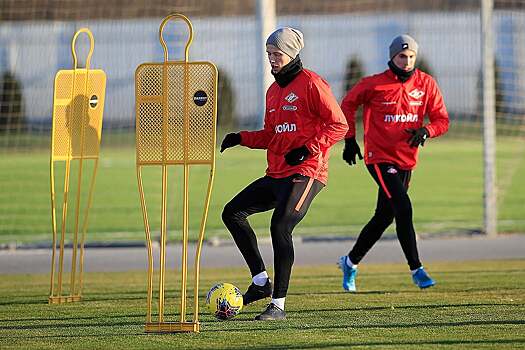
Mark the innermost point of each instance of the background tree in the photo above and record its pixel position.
(422, 65)
(11, 104)
(354, 71)
(226, 118)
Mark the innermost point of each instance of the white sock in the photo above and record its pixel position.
(279, 302)
(350, 264)
(414, 271)
(260, 278)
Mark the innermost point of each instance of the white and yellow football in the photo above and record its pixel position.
(224, 300)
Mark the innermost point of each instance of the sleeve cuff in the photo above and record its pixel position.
(430, 130)
(242, 138)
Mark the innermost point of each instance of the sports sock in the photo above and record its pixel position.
(414, 271)
(279, 302)
(260, 278)
(350, 264)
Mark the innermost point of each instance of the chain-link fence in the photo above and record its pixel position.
(344, 40)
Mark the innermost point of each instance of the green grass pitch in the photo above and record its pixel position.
(475, 305)
(446, 191)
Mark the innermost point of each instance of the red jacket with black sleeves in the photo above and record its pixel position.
(391, 106)
(303, 113)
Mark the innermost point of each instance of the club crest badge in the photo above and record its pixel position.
(416, 93)
(291, 97)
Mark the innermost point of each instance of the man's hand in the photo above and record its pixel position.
(351, 150)
(230, 140)
(297, 155)
(418, 136)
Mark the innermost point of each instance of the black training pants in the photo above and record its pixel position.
(392, 202)
(285, 196)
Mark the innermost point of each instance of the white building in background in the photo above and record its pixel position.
(449, 42)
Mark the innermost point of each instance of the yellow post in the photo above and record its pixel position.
(176, 111)
(78, 105)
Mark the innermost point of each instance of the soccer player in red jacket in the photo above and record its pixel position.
(302, 122)
(394, 105)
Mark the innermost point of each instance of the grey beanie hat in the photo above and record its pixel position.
(402, 42)
(288, 40)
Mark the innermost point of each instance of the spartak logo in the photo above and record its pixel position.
(416, 93)
(291, 97)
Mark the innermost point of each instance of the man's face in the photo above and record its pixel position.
(405, 60)
(277, 58)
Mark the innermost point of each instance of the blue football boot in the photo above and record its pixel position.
(349, 274)
(422, 279)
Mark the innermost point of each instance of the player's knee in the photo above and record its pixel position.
(383, 219)
(404, 210)
(282, 238)
(229, 214)
(283, 250)
(280, 230)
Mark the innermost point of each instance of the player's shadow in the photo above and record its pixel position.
(84, 137)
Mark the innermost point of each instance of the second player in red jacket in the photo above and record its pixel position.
(394, 103)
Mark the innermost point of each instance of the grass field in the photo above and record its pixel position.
(476, 305)
(446, 191)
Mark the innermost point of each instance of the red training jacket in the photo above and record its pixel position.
(304, 113)
(391, 106)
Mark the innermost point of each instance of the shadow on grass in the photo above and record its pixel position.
(419, 306)
(348, 345)
(401, 274)
(71, 318)
(42, 300)
(277, 326)
(434, 290)
(141, 316)
(86, 298)
(267, 326)
(120, 296)
(80, 336)
(340, 292)
(69, 325)
(285, 325)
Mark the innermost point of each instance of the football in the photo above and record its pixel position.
(224, 300)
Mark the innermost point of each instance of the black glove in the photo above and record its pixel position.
(351, 150)
(297, 155)
(230, 140)
(418, 136)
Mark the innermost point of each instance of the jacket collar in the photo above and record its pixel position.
(399, 75)
(288, 72)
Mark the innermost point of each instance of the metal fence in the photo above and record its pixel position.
(35, 43)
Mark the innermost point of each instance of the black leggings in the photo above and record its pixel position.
(392, 202)
(264, 194)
